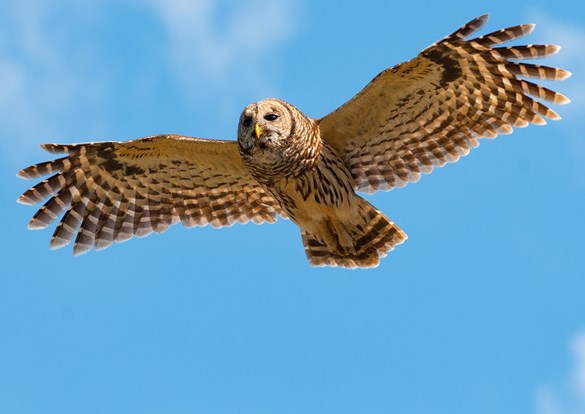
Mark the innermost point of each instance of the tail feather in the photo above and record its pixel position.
(358, 243)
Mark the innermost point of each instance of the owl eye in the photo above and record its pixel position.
(270, 117)
(247, 122)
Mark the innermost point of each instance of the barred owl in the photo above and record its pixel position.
(409, 119)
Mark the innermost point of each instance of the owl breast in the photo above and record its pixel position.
(266, 164)
(319, 189)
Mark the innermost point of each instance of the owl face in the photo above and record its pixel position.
(264, 128)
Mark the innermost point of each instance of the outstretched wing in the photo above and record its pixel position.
(432, 109)
(111, 191)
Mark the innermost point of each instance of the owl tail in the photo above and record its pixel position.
(359, 242)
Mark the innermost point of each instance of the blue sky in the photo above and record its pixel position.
(482, 310)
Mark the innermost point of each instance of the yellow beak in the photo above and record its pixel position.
(258, 130)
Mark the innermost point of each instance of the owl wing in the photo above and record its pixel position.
(111, 191)
(432, 109)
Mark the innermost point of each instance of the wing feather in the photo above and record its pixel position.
(432, 109)
(109, 192)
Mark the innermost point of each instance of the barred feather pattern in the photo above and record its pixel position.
(112, 191)
(408, 120)
(432, 109)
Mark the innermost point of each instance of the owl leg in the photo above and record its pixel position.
(337, 237)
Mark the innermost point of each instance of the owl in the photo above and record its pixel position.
(409, 119)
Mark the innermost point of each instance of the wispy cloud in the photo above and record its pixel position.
(568, 395)
(56, 60)
(571, 37)
(40, 77)
(228, 46)
(23, 47)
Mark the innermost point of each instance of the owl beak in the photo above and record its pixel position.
(257, 131)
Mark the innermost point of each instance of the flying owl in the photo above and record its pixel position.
(409, 119)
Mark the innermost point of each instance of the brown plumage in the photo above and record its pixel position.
(411, 118)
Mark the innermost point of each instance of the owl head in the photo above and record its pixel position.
(275, 138)
(265, 127)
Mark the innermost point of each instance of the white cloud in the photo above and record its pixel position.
(567, 396)
(53, 61)
(578, 377)
(571, 38)
(40, 77)
(19, 106)
(232, 52)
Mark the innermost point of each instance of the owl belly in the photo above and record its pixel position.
(323, 190)
(304, 201)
